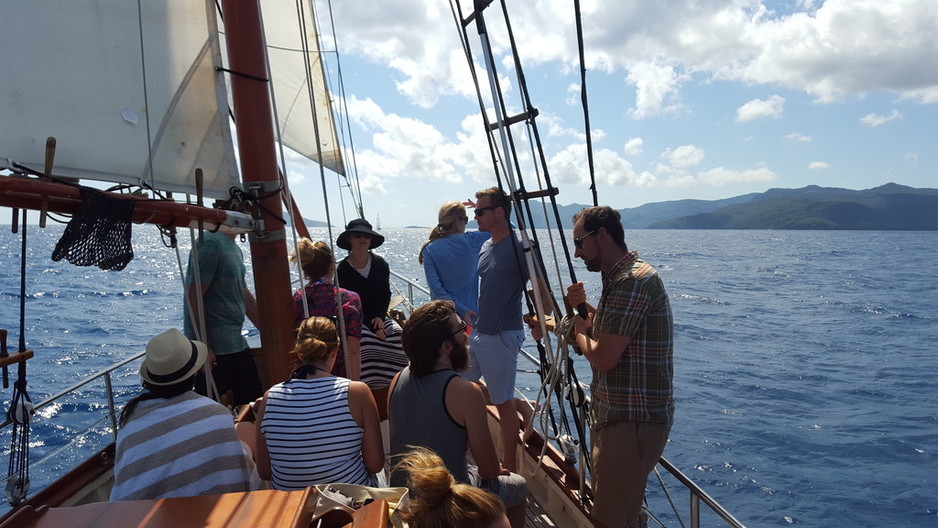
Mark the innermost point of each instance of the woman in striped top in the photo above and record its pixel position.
(316, 428)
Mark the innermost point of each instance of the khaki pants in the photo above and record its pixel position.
(624, 454)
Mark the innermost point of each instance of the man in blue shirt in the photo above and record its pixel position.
(499, 331)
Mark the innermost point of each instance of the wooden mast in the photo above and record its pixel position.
(258, 157)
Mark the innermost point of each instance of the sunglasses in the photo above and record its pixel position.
(578, 242)
(461, 330)
(359, 234)
(481, 210)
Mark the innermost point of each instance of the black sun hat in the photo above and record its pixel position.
(359, 225)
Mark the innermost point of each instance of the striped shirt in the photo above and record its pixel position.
(311, 435)
(382, 358)
(178, 447)
(634, 303)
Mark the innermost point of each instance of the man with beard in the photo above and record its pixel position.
(431, 406)
(628, 342)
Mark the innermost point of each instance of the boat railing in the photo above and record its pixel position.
(104, 373)
(411, 286)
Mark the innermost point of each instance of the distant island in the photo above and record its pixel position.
(887, 207)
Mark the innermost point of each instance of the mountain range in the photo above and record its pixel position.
(887, 207)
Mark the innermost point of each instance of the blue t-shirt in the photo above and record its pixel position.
(451, 266)
(221, 268)
(503, 274)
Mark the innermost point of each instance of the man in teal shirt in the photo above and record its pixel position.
(225, 301)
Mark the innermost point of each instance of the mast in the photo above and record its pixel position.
(258, 157)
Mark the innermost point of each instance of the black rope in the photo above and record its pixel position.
(21, 407)
(586, 112)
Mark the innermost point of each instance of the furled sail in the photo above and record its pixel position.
(128, 89)
(299, 83)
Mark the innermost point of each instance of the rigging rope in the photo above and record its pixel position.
(21, 406)
(583, 101)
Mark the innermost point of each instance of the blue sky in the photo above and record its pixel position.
(688, 99)
(701, 99)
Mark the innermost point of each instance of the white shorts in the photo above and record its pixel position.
(494, 357)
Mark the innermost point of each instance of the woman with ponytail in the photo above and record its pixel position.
(437, 501)
(450, 259)
(316, 428)
(318, 298)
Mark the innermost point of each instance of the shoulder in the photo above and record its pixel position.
(378, 260)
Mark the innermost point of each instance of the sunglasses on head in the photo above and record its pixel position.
(578, 242)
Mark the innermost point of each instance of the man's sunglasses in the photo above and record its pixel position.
(481, 210)
(578, 242)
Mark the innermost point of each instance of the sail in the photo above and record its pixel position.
(298, 79)
(129, 90)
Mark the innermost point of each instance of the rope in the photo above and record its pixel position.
(586, 113)
(21, 406)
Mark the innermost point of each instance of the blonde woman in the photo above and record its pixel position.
(319, 296)
(437, 501)
(317, 428)
(450, 259)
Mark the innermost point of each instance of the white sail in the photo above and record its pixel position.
(118, 88)
(299, 83)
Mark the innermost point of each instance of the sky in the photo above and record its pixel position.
(688, 99)
(700, 99)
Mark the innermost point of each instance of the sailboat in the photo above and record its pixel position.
(138, 96)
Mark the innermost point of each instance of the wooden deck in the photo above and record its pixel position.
(535, 516)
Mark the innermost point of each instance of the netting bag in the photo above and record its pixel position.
(99, 233)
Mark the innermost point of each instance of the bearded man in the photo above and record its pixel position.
(431, 406)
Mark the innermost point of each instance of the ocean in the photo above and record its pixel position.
(805, 361)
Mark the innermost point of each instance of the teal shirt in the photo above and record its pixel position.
(221, 268)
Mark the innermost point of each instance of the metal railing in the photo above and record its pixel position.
(106, 374)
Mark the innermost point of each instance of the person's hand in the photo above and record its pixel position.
(576, 294)
(378, 324)
(210, 358)
(536, 332)
(582, 326)
(470, 317)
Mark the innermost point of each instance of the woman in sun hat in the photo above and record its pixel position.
(367, 274)
(173, 442)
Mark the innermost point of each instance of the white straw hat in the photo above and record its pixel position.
(171, 357)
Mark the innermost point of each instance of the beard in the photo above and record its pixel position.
(593, 264)
(459, 355)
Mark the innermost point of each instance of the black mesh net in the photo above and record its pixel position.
(99, 233)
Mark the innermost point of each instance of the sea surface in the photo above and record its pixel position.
(806, 362)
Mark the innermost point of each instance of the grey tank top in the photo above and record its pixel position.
(417, 416)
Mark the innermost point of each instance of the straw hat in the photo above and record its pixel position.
(359, 225)
(171, 357)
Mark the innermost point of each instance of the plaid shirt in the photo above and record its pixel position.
(635, 304)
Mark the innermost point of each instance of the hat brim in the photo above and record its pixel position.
(201, 352)
(344, 240)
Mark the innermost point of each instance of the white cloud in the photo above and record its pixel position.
(911, 156)
(818, 165)
(635, 146)
(724, 176)
(610, 168)
(656, 85)
(684, 156)
(797, 137)
(875, 120)
(759, 108)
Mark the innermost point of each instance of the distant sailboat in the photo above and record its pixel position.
(378, 222)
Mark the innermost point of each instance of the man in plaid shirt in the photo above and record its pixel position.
(628, 341)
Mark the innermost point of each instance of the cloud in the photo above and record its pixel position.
(759, 108)
(724, 176)
(818, 165)
(796, 137)
(400, 147)
(911, 156)
(875, 120)
(656, 89)
(610, 169)
(634, 146)
(684, 156)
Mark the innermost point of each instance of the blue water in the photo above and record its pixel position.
(805, 366)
